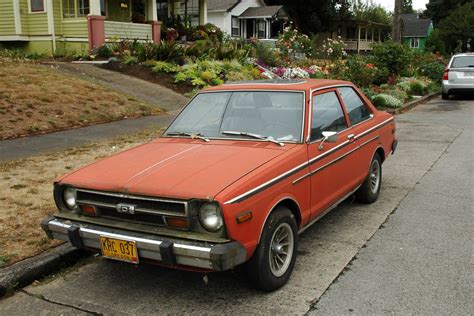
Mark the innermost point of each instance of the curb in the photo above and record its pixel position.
(410, 105)
(25, 272)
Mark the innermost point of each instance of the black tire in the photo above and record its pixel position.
(369, 190)
(259, 269)
(444, 96)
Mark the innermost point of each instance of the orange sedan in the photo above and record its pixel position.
(241, 171)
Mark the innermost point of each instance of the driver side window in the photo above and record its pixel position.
(327, 115)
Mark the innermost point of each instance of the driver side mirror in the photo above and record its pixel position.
(330, 137)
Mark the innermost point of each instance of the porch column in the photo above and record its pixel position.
(380, 35)
(358, 39)
(268, 24)
(153, 20)
(96, 25)
(202, 12)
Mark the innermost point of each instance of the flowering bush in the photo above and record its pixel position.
(385, 100)
(360, 71)
(291, 41)
(333, 48)
(171, 34)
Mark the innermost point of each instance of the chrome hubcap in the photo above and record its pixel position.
(281, 249)
(374, 177)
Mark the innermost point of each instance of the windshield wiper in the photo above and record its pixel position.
(252, 135)
(193, 136)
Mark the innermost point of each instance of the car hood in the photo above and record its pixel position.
(175, 168)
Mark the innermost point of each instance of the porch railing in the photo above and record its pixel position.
(124, 30)
(363, 44)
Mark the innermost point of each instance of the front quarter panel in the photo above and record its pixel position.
(263, 201)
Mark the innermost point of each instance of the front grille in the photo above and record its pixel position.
(136, 218)
(141, 203)
(145, 209)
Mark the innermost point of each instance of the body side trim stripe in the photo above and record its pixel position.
(281, 177)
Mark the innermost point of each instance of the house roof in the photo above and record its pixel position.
(263, 12)
(222, 5)
(413, 26)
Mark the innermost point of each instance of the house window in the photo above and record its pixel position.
(415, 43)
(235, 26)
(189, 12)
(37, 5)
(261, 29)
(76, 8)
(162, 10)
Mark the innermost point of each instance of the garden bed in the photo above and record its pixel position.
(146, 73)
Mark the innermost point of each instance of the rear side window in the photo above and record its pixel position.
(327, 115)
(463, 62)
(355, 107)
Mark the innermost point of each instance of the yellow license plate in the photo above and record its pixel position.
(118, 249)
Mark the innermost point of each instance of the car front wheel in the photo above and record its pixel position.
(272, 263)
(369, 190)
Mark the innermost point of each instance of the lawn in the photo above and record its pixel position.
(37, 99)
(26, 186)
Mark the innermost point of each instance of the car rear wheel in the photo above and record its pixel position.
(272, 263)
(445, 96)
(369, 190)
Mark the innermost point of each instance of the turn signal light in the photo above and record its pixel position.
(244, 217)
(89, 210)
(177, 222)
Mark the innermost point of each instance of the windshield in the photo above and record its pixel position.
(463, 62)
(269, 114)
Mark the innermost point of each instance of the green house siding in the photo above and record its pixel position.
(32, 23)
(75, 28)
(421, 42)
(7, 19)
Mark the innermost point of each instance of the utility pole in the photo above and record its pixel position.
(397, 23)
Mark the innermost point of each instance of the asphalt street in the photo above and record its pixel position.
(408, 253)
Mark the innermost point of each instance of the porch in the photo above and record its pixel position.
(263, 23)
(361, 35)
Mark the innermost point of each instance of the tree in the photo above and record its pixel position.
(458, 26)
(437, 10)
(314, 16)
(407, 7)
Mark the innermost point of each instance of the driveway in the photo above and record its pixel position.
(426, 195)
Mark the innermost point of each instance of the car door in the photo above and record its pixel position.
(330, 163)
(360, 119)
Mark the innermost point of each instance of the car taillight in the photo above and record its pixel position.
(446, 74)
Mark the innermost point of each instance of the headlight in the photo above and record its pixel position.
(69, 197)
(211, 217)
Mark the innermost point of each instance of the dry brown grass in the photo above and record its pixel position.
(36, 99)
(26, 193)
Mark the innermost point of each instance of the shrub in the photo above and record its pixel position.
(386, 100)
(292, 41)
(266, 54)
(361, 71)
(333, 48)
(433, 70)
(104, 50)
(434, 43)
(393, 56)
(163, 66)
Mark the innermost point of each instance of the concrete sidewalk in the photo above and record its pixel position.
(30, 146)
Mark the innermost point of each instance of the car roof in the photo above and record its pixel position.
(279, 84)
(463, 55)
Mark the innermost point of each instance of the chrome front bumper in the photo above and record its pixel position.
(217, 257)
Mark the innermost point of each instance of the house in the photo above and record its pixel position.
(415, 31)
(358, 35)
(247, 18)
(46, 26)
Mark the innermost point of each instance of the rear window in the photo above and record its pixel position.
(463, 62)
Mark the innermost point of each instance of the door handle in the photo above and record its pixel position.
(350, 136)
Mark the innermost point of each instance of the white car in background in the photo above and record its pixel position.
(458, 76)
